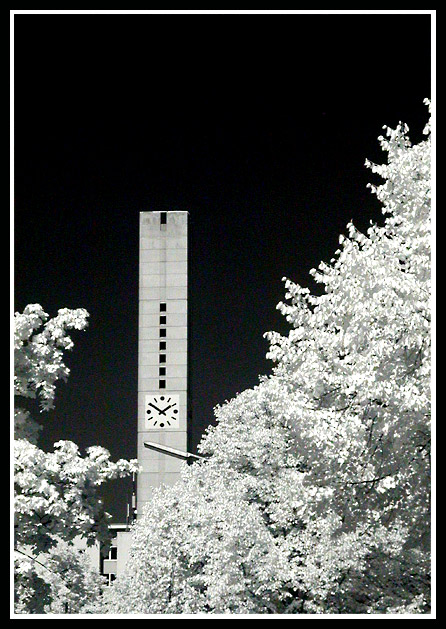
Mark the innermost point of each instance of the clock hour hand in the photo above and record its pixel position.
(167, 408)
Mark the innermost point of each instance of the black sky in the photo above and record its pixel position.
(259, 126)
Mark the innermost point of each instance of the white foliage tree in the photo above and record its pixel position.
(315, 497)
(39, 344)
(66, 582)
(359, 356)
(56, 493)
(208, 551)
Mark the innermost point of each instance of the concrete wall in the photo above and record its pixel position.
(162, 279)
(124, 540)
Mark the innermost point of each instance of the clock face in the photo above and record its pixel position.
(162, 411)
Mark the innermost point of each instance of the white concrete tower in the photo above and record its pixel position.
(163, 360)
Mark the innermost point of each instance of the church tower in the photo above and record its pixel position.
(163, 405)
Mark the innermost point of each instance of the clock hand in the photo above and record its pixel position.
(160, 411)
(167, 408)
(153, 406)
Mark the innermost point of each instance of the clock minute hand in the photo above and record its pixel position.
(158, 409)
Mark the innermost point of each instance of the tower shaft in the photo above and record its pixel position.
(163, 347)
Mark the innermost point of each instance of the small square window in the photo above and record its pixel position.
(162, 384)
(163, 345)
(162, 358)
(163, 319)
(113, 552)
(163, 332)
(163, 218)
(163, 307)
(162, 371)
